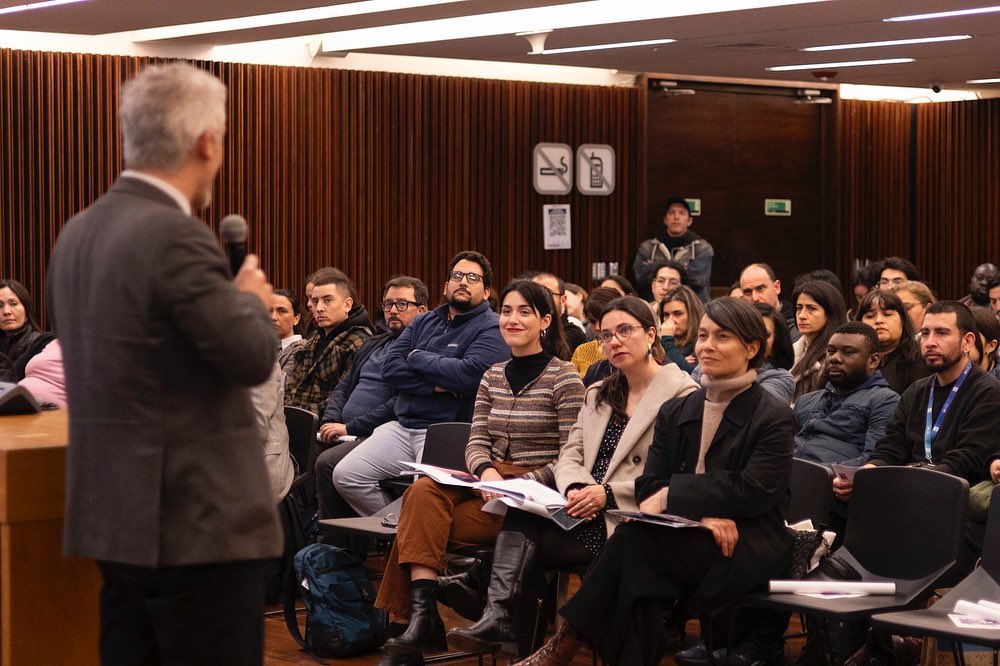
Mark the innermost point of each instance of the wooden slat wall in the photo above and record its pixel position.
(873, 166)
(375, 173)
(957, 191)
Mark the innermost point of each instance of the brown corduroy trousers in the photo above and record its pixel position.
(433, 520)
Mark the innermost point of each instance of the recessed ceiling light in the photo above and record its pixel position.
(549, 17)
(838, 65)
(984, 81)
(36, 5)
(598, 47)
(280, 18)
(950, 14)
(890, 42)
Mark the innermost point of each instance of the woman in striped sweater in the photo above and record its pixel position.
(523, 414)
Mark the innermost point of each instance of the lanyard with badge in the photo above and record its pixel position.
(931, 431)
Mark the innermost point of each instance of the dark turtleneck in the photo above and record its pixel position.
(522, 370)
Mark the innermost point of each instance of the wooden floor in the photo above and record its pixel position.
(281, 649)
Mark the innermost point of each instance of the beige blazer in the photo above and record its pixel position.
(577, 456)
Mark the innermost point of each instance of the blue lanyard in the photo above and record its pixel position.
(930, 432)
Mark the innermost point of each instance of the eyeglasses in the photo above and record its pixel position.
(473, 278)
(402, 305)
(623, 333)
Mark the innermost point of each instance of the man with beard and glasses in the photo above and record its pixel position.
(363, 400)
(435, 365)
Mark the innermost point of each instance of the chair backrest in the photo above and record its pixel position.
(302, 427)
(445, 445)
(991, 543)
(906, 522)
(811, 492)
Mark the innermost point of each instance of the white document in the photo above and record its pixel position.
(525, 491)
(663, 519)
(830, 587)
(445, 476)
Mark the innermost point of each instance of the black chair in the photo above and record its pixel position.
(983, 583)
(904, 525)
(302, 428)
(811, 492)
(444, 446)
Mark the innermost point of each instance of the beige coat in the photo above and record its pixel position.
(577, 457)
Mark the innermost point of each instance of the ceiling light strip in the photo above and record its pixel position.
(552, 17)
(978, 81)
(949, 14)
(280, 18)
(36, 5)
(890, 42)
(600, 47)
(838, 65)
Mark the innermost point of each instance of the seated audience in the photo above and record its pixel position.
(435, 365)
(560, 325)
(591, 352)
(363, 400)
(841, 423)
(678, 243)
(958, 436)
(735, 290)
(286, 318)
(760, 284)
(269, 415)
(341, 326)
(985, 351)
(596, 471)
(916, 298)
(721, 456)
(43, 376)
(524, 410)
(993, 289)
(894, 271)
(20, 337)
(819, 311)
(619, 284)
(576, 296)
(978, 286)
(679, 312)
(901, 363)
(667, 276)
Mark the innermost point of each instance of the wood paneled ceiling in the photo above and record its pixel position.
(739, 44)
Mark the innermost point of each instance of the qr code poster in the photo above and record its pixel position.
(558, 234)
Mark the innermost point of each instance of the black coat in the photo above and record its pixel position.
(747, 471)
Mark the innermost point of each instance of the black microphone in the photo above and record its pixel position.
(233, 230)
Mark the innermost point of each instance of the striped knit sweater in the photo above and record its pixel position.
(527, 429)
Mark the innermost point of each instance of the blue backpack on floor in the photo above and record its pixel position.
(342, 620)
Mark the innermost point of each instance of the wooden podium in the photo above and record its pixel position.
(48, 603)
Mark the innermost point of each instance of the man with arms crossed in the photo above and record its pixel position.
(165, 480)
(435, 365)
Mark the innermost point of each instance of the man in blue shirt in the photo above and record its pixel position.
(435, 366)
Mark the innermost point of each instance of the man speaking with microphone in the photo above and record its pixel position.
(165, 480)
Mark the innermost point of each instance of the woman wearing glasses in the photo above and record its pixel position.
(523, 413)
(596, 471)
(721, 456)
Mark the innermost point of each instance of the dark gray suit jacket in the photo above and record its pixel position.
(165, 465)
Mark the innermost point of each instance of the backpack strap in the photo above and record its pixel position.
(290, 514)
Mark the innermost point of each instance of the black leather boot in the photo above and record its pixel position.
(465, 593)
(494, 632)
(425, 631)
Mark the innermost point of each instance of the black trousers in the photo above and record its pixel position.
(204, 614)
(619, 605)
(331, 504)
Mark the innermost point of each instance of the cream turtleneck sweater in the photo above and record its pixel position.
(718, 394)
